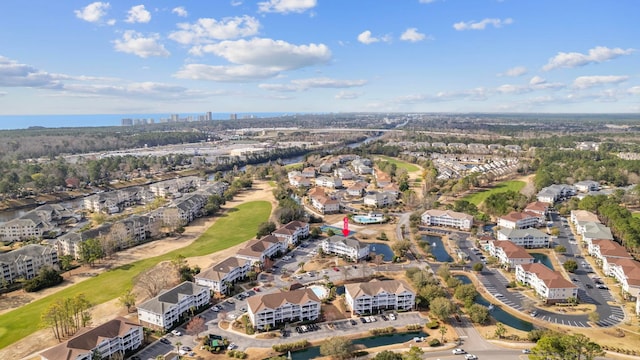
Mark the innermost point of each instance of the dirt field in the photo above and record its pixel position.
(29, 347)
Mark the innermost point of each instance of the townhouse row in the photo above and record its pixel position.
(40, 222)
(26, 262)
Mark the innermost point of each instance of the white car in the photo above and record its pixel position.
(498, 295)
(232, 346)
(470, 357)
(392, 316)
(176, 332)
(458, 351)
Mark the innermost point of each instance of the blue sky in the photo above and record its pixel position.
(111, 57)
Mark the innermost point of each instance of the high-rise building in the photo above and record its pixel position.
(175, 117)
(233, 116)
(126, 122)
(209, 116)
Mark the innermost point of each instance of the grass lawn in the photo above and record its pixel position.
(399, 163)
(636, 215)
(235, 226)
(479, 197)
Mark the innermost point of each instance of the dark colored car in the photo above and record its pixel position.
(165, 341)
(353, 322)
(363, 320)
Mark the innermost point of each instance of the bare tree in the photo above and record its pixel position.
(156, 279)
(196, 326)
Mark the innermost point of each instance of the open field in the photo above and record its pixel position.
(479, 197)
(234, 226)
(399, 163)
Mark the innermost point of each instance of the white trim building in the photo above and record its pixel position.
(292, 232)
(447, 218)
(509, 254)
(527, 238)
(520, 220)
(164, 311)
(27, 261)
(348, 247)
(228, 271)
(268, 310)
(548, 284)
(373, 296)
(118, 335)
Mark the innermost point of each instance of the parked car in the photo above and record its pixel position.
(232, 346)
(363, 320)
(526, 351)
(335, 269)
(176, 332)
(353, 322)
(589, 286)
(165, 341)
(392, 316)
(470, 357)
(458, 351)
(256, 289)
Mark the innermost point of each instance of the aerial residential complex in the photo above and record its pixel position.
(447, 218)
(527, 238)
(164, 311)
(265, 311)
(509, 254)
(371, 297)
(223, 274)
(113, 338)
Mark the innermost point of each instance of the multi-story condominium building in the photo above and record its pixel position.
(174, 187)
(382, 179)
(269, 310)
(219, 276)
(117, 336)
(552, 193)
(357, 189)
(343, 173)
(627, 273)
(374, 296)
(348, 247)
(36, 224)
(538, 207)
(24, 263)
(258, 250)
(549, 285)
(580, 216)
(329, 182)
(380, 199)
(323, 203)
(448, 218)
(587, 185)
(527, 238)
(292, 232)
(165, 310)
(520, 220)
(309, 172)
(509, 254)
(592, 230)
(362, 166)
(600, 249)
(299, 181)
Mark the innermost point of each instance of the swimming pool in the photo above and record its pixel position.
(320, 291)
(368, 219)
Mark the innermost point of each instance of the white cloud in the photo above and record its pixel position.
(3, 93)
(426, 1)
(269, 53)
(236, 73)
(286, 6)
(481, 25)
(598, 54)
(513, 89)
(236, 2)
(305, 84)
(635, 90)
(180, 11)
(537, 80)
(347, 95)
(135, 43)
(514, 71)
(93, 12)
(412, 34)
(366, 38)
(207, 30)
(138, 14)
(14, 74)
(585, 82)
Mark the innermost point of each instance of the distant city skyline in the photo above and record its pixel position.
(306, 56)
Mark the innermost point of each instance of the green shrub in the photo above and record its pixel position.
(381, 331)
(434, 342)
(290, 346)
(432, 325)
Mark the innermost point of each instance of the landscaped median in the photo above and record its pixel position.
(234, 226)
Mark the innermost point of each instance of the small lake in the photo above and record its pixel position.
(543, 259)
(437, 248)
(497, 313)
(383, 249)
(368, 342)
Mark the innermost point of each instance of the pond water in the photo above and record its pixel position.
(437, 248)
(497, 313)
(543, 259)
(373, 341)
(383, 249)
